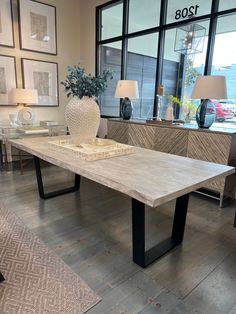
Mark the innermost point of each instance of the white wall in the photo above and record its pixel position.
(68, 42)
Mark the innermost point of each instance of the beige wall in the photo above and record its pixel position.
(87, 26)
(68, 41)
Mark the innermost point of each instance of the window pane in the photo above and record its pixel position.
(141, 66)
(111, 24)
(225, 5)
(110, 57)
(224, 63)
(180, 72)
(143, 14)
(184, 9)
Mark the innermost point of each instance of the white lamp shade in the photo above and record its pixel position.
(23, 96)
(127, 88)
(210, 87)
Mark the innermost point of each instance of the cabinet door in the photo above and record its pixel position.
(141, 135)
(118, 131)
(172, 141)
(210, 147)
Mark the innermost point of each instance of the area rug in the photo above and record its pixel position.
(37, 281)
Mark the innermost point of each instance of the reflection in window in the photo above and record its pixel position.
(225, 5)
(143, 14)
(185, 9)
(141, 66)
(224, 63)
(110, 57)
(179, 74)
(111, 17)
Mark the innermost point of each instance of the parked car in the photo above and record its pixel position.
(222, 112)
(229, 104)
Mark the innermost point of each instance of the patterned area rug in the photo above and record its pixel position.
(37, 280)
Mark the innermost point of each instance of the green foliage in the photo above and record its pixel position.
(78, 83)
(174, 100)
(188, 106)
(190, 73)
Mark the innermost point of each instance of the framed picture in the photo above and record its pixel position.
(7, 78)
(37, 26)
(43, 76)
(6, 24)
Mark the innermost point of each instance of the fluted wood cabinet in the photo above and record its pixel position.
(215, 145)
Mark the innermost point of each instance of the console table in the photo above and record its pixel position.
(215, 145)
(147, 176)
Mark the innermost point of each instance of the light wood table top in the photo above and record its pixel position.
(149, 176)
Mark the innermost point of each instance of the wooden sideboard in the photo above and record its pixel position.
(216, 145)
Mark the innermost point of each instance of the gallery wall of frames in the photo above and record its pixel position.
(37, 33)
(30, 34)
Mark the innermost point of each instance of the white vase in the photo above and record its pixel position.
(83, 119)
(169, 113)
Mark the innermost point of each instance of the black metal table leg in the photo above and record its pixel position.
(1, 277)
(235, 220)
(144, 258)
(44, 195)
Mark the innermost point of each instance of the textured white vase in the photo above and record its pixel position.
(83, 119)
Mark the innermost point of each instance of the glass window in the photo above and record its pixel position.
(185, 9)
(111, 21)
(110, 57)
(141, 66)
(143, 14)
(225, 5)
(180, 71)
(224, 63)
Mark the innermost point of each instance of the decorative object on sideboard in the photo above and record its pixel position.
(176, 103)
(82, 113)
(206, 88)
(159, 95)
(126, 89)
(13, 119)
(21, 96)
(169, 113)
(189, 39)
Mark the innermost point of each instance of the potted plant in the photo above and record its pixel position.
(189, 110)
(176, 103)
(82, 113)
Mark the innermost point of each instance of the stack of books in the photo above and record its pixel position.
(47, 123)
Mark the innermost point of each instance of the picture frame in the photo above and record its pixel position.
(37, 25)
(43, 76)
(7, 78)
(6, 24)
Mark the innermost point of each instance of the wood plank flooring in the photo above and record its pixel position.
(91, 231)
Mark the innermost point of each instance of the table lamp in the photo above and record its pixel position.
(126, 89)
(206, 88)
(22, 96)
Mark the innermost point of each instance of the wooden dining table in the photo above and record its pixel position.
(149, 177)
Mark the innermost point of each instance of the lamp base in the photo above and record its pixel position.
(205, 114)
(126, 109)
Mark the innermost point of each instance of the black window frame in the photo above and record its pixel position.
(163, 26)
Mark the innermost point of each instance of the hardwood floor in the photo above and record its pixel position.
(91, 231)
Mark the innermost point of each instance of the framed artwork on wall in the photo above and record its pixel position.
(7, 78)
(6, 24)
(43, 76)
(37, 26)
